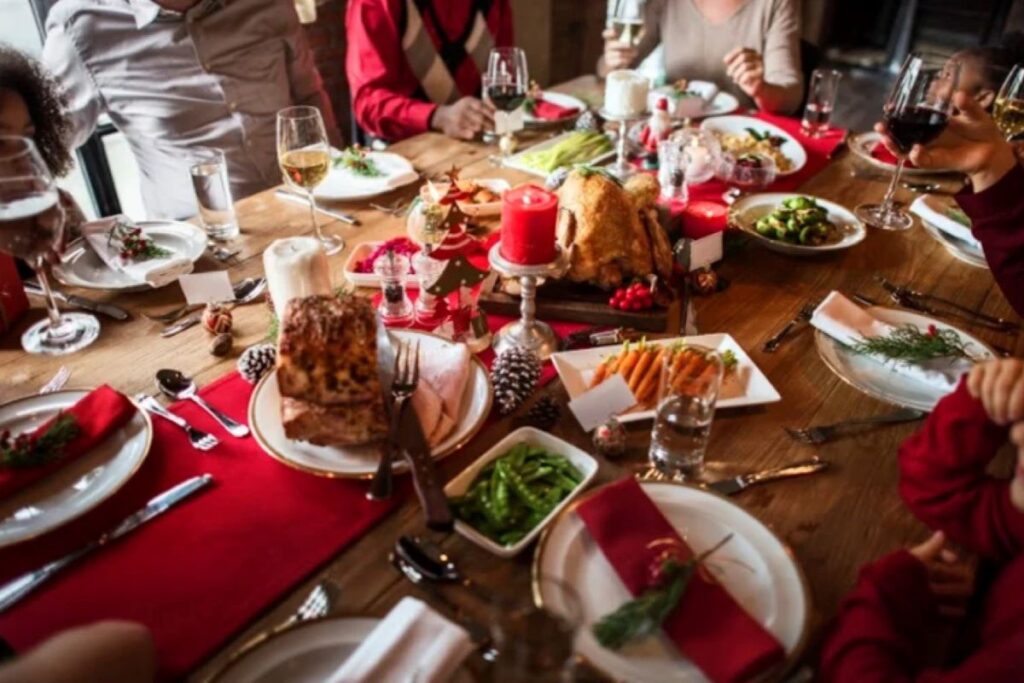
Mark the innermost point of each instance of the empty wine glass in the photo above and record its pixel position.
(304, 154)
(916, 112)
(1009, 106)
(505, 85)
(31, 228)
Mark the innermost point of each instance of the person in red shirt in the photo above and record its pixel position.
(886, 624)
(416, 65)
(994, 200)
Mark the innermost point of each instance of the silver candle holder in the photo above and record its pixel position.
(621, 169)
(528, 332)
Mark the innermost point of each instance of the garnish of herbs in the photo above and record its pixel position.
(25, 450)
(356, 161)
(133, 245)
(908, 343)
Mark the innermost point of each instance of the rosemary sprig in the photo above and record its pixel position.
(644, 615)
(25, 450)
(908, 343)
(355, 159)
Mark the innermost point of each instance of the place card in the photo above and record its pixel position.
(206, 288)
(603, 402)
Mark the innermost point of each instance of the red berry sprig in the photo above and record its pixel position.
(635, 297)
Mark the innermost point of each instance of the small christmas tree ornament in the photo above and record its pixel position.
(221, 344)
(217, 319)
(544, 414)
(514, 375)
(257, 361)
(610, 439)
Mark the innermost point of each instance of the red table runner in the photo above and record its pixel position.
(203, 570)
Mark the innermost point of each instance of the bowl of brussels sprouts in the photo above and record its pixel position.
(796, 224)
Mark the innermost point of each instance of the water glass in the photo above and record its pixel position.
(535, 635)
(209, 172)
(821, 100)
(691, 379)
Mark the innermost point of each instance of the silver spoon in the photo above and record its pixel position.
(434, 564)
(179, 386)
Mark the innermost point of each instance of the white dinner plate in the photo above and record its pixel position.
(362, 251)
(360, 462)
(755, 567)
(516, 160)
(961, 250)
(877, 379)
(81, 267)
(308, 653)
(862, 144)
(737, 125)
(562, 100)
(746, 386)
(343, 185)
(722, 103)
(746, 211)
(78, 486)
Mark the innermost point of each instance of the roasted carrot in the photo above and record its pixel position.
(689, 365)
(640, 369)
(601, 372)
(626, 366)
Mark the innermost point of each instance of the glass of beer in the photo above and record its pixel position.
(304, 154)
(1009, 106)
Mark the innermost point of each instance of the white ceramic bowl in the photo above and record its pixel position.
(458, 486)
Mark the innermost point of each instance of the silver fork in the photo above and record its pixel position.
(396, 208)
(406, 376)
(317, 605)
(172, 316)
(803, 316)
(823, 433)
(200, 440)
(57, 382)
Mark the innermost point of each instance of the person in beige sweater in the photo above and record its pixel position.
(750, 48)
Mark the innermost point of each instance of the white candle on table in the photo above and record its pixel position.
(295, 267)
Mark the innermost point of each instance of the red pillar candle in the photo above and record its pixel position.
(528, 217)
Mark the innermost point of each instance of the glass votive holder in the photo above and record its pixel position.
(427, 271)
(701, 155)
(395, 307)
(750, 171)
(671, 174)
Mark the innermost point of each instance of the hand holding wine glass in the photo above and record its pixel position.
(304, 155)
(916, 112)
(507, 81)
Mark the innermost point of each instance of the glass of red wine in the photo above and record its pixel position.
(506, 85)
(916, 112)
(32, 228)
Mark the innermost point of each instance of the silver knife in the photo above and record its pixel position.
(109, 310)
(293, 197)
(728, 487)
(181, 325)
(16, 589)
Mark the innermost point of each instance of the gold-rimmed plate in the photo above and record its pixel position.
(78, 486)
(360, 462)
(755, 566)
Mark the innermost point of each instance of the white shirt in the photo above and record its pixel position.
(214, 76)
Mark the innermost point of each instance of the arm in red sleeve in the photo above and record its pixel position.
(943, 479)
(875, 634)
(382, 83)
(997, 220)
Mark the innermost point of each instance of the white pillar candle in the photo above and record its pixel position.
(625, 93)
(295, 267)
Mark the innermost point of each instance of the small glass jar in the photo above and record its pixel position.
(395, 307)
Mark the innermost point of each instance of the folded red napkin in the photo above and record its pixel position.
(98, 414)
(882, 153)
(549, 111)
(708, 626)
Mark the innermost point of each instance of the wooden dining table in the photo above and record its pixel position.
(833, 522)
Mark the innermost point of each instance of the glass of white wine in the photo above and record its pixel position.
(304, 154)
(626, 18)
(1009, 107)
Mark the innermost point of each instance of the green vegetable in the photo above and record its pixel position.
(577, 148)
(25, 452)
(355, 160)
(908, 343)
(957, 214)
(798, 220)
(515, 492)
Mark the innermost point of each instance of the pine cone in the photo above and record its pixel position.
(515, 375)
(589, 120)
(257, 361)
(544, 413)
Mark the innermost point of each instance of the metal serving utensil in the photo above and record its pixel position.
(179, 386)
(820, 434)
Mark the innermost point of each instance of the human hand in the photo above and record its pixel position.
(999, 385)
(617, 54)
(464, 119)
(746, 68)
(951, 581)
(971, 143)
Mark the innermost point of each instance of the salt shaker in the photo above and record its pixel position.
(395, 307)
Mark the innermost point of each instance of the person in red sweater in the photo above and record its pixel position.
(416, 65)
(994, 201)
(886, 623)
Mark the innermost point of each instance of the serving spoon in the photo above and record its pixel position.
(179, 386)
(435, 564)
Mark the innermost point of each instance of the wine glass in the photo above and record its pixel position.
(1009, 106)
(626, 18)
(916, 112)
(505, 86)
(304, 155)
(31, 227)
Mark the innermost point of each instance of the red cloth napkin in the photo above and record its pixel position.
(549, 111)
(99, 413)
(708, 626)
(203, 570)
(882, 153)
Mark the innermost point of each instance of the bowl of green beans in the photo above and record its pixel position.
(505, 499)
